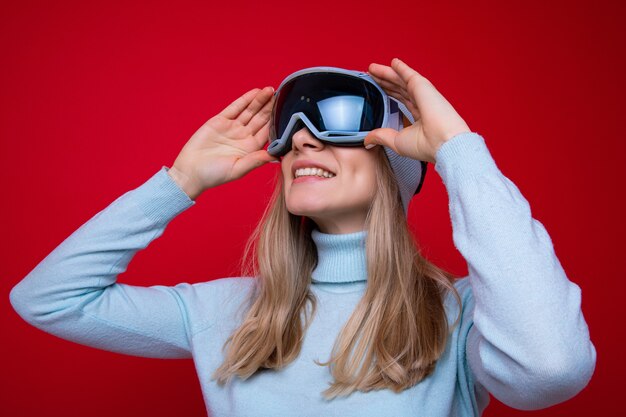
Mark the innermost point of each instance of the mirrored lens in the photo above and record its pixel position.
(342, 112)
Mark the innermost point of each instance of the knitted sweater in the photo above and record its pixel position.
(522, 336)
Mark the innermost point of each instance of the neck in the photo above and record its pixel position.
(341, 258)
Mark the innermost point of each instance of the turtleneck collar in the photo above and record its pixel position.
(341, 257)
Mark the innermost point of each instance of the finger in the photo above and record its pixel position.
(255, 105)
(411, 107)
(251, 161)
(426, 94)
(259, 119)
(384, 136)
(400, 94)
(401, 98)
(237, 106)
(263, 135)
(406, 73)
(383, 72)
(389, 86)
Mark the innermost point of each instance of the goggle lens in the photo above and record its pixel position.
(331, 101)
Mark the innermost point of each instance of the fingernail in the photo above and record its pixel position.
(370, 146)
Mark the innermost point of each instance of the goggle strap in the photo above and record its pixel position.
(395, 117)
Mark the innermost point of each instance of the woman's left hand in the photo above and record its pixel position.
(436, 121)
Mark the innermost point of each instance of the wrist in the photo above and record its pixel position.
(447, 138)
(184, 182)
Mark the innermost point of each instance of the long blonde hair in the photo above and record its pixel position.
(396, 332)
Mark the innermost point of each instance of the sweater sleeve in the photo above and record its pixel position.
(529, 344)
(72, 293)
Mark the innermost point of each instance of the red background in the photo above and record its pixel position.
(97, 97)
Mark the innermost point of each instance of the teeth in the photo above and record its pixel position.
(313, 171)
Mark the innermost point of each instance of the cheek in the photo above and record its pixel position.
(358, 185)
(363, 170)
(367, 185)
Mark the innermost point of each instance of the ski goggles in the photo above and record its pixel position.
(338, 106)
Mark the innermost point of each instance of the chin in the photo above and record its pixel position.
(306, 202)
(307, 212)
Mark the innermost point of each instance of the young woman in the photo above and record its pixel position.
(336, 313)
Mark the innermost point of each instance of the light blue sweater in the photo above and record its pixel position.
(522, 336)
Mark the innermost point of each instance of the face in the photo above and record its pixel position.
(337, 204)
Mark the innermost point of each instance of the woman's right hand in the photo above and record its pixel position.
(227, 146)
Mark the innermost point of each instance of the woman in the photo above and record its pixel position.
(338, 313)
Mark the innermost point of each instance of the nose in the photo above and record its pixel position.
(304, 139)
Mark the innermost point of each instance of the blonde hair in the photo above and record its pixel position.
(397, 331)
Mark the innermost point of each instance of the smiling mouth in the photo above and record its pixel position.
(313, 172)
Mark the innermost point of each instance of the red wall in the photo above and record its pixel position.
(96, 98)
